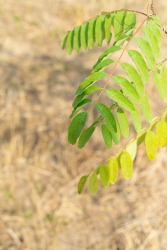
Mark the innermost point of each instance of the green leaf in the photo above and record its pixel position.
(102, 65)
(153, 123)
(119, 23)
(70, 42)
(151, 145)
(85, 136)
(77, 41)
(130, 21)
(120, 40)
(123, 122)
(147, 51)
(104, 176)
(86, 93)
(106, 136)
(127, 88)
(155, 30)
(160, 83)
(108, 116)
(151, 38)
(98, 168)
(120, 152)
(140, 64)
(135, 115)
(79, 107)
(126, 165)
(82, 183)
(89, 81)
(99, 30)
(84, 35)
(157, 21)
(76, 126)
(93, 184)
(122, 100)
(64, 40)
(141, 136)
(116, 135)
(131, 148)
(146, 109)
(91, 33)
(108, 33)
(113, 170)
(134, 77)
(107, 53)
(164, 73)
(161, 130)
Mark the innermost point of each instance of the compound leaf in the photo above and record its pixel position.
(123, 122)
(113, 170)
(122, 100)
(127, 88)
(104, 176)
(140, 64)
(151, 38)
(84, 35)
(161, 130)
(76, 126)
(91, 33)
(93, 184)
(160, 83)
(134, 77)
(151, 145)
(82, 183)
(89, 81)
(147, 51)
(126, 165)
(106, 136)
(108, 116)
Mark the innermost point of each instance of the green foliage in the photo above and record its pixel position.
(131, 90)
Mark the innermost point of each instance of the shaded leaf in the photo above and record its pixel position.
(108, 22)
(134, 77)
(104, 176)
(91, 33)
(122, 100)
(84, 35)
(82, 183)
(89, 81)
(79, 107)
(93, 184)
(98, 168)
(106, 136)
(113, 170)
(140, 64)
(141, 136)
(146, 109)
(126, 165)
(85, 136)
(108, 116)
(160, 83)
(123, 122)
(151, 145)
(76, 126)
(70, 42)
(116, 135)
(151, 38)
(64, 40)
(135, 115)
(161, 130)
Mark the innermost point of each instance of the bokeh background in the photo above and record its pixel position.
(39, 171)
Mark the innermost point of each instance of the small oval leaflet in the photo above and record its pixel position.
(161, 130)
(123, 122)
(84, 35)
(103, 64)
(131, 148)
(116, 135)
(76, 126)
(151, 38)
(106, 136)
(146, 109)
(82, 183)
(85, 136)
(93, 184)
(151, 145)
(108, 29)
(160, 83)
(155, 30)
(119, 23)
(77, 41)
(126, 165)
(113, 170)
(91, 33)
(135, 115)
(99, 30)
(104, 176)
(81, 105)
(64, 40)
(70, 42)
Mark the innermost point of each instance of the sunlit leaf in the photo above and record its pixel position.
(155, 30)
(151, 145)
(99, 30)
(164, 72)
(126, 165)
(123, 122)
(91, 33)
(84, 35)
(131, 148)
(102, 65)
(146, 109)
(116, 135)
(135, 115)
(113, 170)
(93, 184)
(119, 23)
(161, 130)
(82, 183)
(151, 38)
(70, 42)
(160, 83)
(77, 38)
(104, 176)
(64, 40)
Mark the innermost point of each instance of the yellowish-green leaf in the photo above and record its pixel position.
(82, 183)
(84, 35)
(164, 72)
(160, 83)
(99, 30)
(146, 109)
(77, 38)
(155, 30)
(119, 23)
(70, 42)
(113, 170)
(108, 33)
(116, 135)
(151, 38)
(161, 130)
(151, 145)
(157, 21)
(98, 168)
(131, 148)
(102, 65)
(91, 33)
(135, 115)
(64, 40)
(104, 176)
(123, 122)
(93, 184)
(126, 165)
(141, 136)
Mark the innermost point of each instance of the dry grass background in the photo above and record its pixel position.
(39, 171)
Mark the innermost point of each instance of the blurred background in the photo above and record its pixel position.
(39, 170)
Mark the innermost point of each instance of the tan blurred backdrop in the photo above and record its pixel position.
(39, 171)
